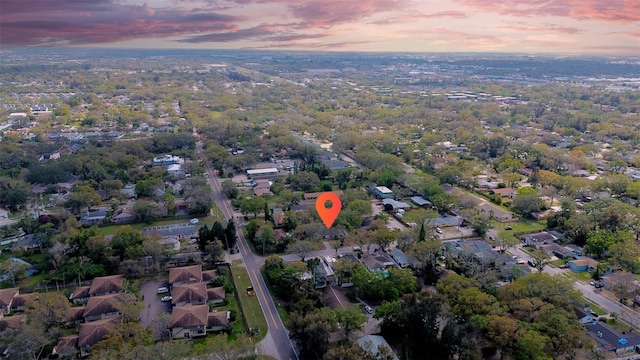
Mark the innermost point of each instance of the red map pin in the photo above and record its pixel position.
(328, 215)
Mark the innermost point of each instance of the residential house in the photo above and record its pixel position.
(583, 315)
(189, 294)
(383, 192)
(67, 346)
(536, 239)
(189, 321)
(620, 280)
(7, 322)
(123, 215)
(373, 344)
(105, 285)
(92, 332)
(185, 275)
(420, 201)
(216, 295)
(279, 235)
(218, 320)
(583, 264)
(182, 259)
(103, 307)
(80, 295)
(93, 217)
(6, 299)
(170, 243)
(315, 195)
(75, 315)
(323, 273)
(166, 159)
(505, 192)
(278, 217)
(21, 301)
(394, 204)
(609, 339)
(175, 170)
(400, 258)
(378, 262)
(209, 276)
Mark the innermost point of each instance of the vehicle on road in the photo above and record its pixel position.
(194, 221)
(166, 298)
(592, 283)
(438, 230)
(368, 309)
(163, 290)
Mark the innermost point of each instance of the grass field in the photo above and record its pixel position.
(250, 304)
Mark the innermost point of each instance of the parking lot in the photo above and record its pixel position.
(152, 303)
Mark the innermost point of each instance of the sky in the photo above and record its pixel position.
(585, 27)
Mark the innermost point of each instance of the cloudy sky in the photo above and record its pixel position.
(521, 26)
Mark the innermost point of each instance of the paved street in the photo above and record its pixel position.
(588, 291)
(277, 342)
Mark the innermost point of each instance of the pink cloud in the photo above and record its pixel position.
(415, 16)
(552, 28)
(87, 22)
(621, 11)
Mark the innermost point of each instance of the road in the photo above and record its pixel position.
(276, 343)
(589, 292)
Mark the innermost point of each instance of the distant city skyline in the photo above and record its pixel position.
(598, 27)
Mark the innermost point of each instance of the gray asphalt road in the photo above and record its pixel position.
(277, 342)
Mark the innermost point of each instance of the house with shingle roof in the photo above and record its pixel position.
(189, 321)
(92, 332)
(80, 295)
(103, 307)
(11, 321)
(106, 285)
(218, 320)
(67, 346)
(189, 294)
(209, 276)
(216, 295)
(185, 275)
(6, 299)
(21, 301)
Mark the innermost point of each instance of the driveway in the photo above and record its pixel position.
(151, 300)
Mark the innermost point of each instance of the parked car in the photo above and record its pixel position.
(166, 298)
(368, 309)
(564, 266)
(163, 290)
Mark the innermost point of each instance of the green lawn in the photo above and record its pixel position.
(581, 276)
(523, 226)
(250, 304)
(594, 307)
(282, 311)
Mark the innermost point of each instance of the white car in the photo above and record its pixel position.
(368, 309)
(163, 290)
(166, 298)
(193, 221)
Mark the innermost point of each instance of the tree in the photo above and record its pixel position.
(473, 301)
(539, 258)
(145, 211)
(254, 205)
(14, 270)
(242, 347)
(26, 341)
(503, 331)
(350, 319)
(311, 331)
(599, 241)
(83, 196)
(50, 309)
(160, 326)
(264, 239)
(625, 253)
(305, 181)
(13, 192)
(414, 320)
(526, 202)
(481, 223)
(301, 248)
